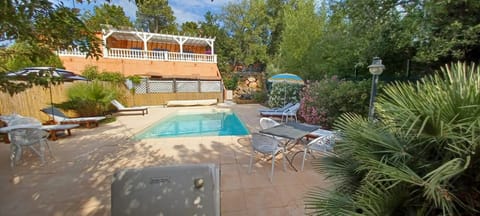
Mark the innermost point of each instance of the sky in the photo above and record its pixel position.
(184, 10)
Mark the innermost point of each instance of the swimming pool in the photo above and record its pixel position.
(189, 123)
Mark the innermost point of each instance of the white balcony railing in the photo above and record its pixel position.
(71, 52)
(116, 53)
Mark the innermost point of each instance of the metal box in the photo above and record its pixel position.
(167, 190)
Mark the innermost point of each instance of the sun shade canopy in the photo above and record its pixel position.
(286, 77)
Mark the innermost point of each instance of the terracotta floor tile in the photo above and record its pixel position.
(262, 198)
(230, 178)
(269, 212)
(232, 201)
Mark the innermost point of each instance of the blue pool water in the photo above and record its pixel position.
(200, 123)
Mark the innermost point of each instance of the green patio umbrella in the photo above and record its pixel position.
(285, 78)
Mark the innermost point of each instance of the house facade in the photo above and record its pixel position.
(173, 67)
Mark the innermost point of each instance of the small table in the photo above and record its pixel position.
(293, 131)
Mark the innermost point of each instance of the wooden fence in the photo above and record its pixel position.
(29, 102)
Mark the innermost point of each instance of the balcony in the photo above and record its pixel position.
(149, 55)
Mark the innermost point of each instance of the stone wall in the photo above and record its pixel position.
(248, 84)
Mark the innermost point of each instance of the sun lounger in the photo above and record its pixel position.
(59, 117)
(122, 108)
(290, 112)
(277, 109)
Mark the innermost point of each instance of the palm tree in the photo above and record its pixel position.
(420, 158)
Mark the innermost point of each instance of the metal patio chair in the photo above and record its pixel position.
(268, 146)
(322, 144)
(35, 139)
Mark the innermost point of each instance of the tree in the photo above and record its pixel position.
(44, 27)
(420, 157)
(19, 60)
(451, 31)
(302, 28)
(156, 16)
(106, 14)
(275, 12)
(246, 23)
(190, 28)
(211, 28)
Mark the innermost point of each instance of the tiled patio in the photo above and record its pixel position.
(77, 181)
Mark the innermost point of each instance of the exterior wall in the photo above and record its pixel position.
(129, 67)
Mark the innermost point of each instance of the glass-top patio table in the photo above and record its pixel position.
(292, 131)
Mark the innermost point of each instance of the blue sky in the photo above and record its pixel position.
(184, 10)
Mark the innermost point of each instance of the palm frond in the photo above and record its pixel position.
(343, 172)
(380, 198)
(320, 201)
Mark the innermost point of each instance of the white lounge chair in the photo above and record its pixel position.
(288, 113)
(277, 109)
(59, 117)
(122, 108)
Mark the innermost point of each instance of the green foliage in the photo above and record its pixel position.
(43, 27)
(156, 15)
(325, 100)
(14, 85)
(260, 96)
(211, 28)
(106, 14)
(231, 82)
(91, 72)
(302, 29)
(450, 32)
(23, 56)
(46, 25)
(190, 28)
(247, 24)
(91, 98)
(283, 93)
(420, 158)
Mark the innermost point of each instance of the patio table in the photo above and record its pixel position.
(293, 132)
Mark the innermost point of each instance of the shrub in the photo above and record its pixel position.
(283, 93)
(91, 98)
(230, 82)
(92, 73)
(420, 158)
(325, 100)
(260, 96)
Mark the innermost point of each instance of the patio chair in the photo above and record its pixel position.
(322, 144)
(266, 123)
(268, 146)
(122, 108)
(33, 138)
(61, 118)
(277, 109)
(291, 112)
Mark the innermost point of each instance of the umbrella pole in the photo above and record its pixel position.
(51, 103)
(284, 93)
